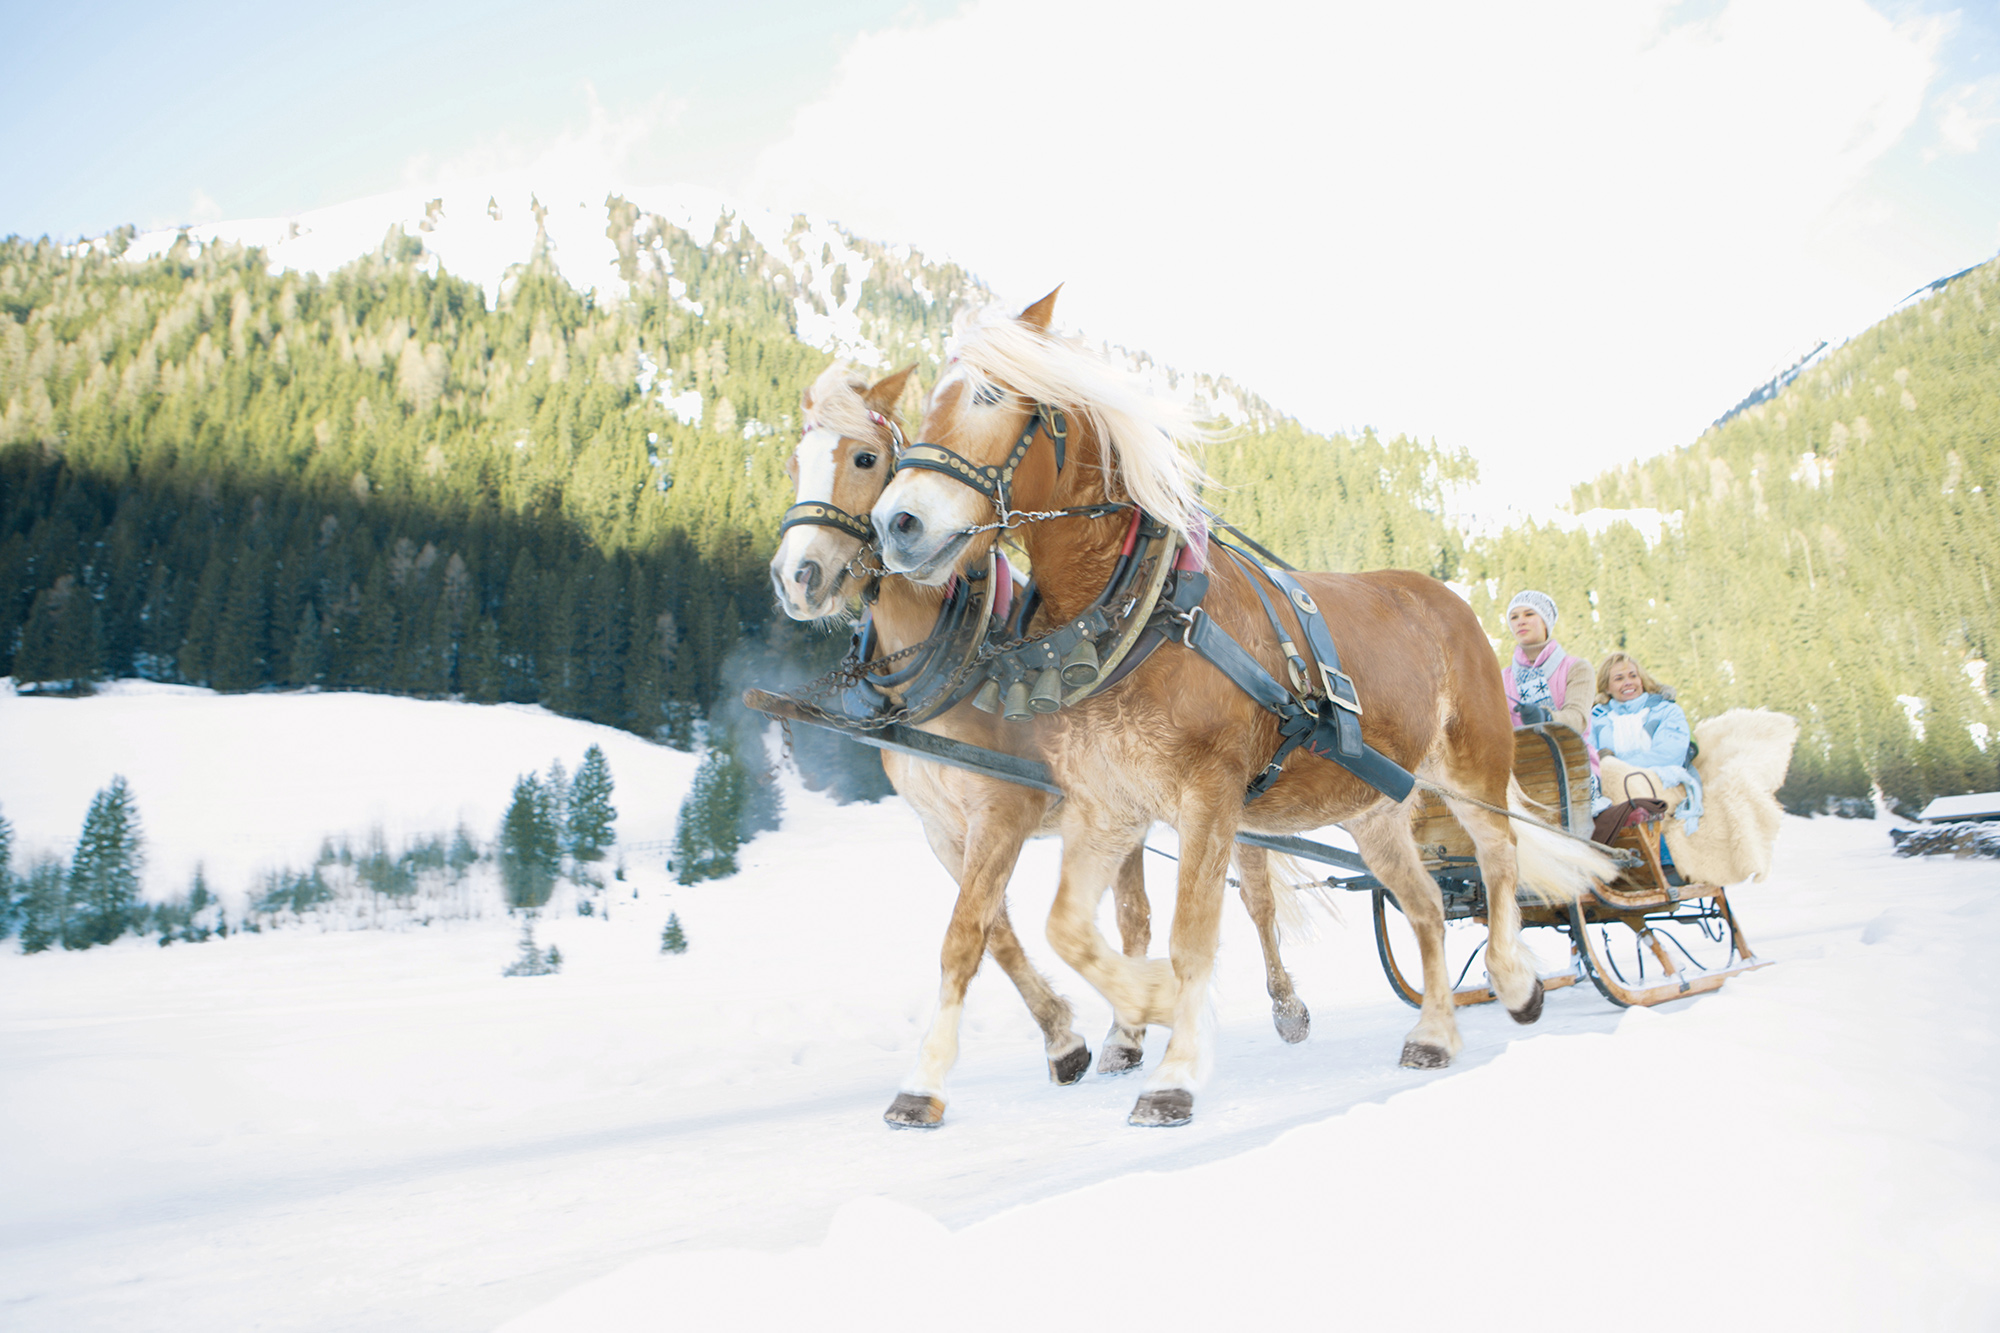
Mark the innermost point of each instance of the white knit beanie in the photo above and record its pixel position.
(1540, 603)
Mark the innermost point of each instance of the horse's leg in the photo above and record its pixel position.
(1386, 843)
(1517, 982)
(1139, 990)
(990, 845)
(1068, 1056)
(1208, 817)
(1288, 1012)
(1125, 1047)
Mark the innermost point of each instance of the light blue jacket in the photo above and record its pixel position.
(1665, 753)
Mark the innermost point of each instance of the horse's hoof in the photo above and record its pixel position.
(1532, 1010)
(1423, 1055)
(1120, 1059)
(1067, 1069)
(1292, 1020)
(914, 1110)
(1167, 1107)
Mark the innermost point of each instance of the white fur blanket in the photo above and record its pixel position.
(1744, 755)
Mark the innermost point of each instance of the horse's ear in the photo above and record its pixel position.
(887, 392)
(1043, 312)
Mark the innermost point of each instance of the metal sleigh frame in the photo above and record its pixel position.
(1648, 898)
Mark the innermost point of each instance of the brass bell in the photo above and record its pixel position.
(1017, 709)
(987, 698)
(1047, 697)
(1079, 664)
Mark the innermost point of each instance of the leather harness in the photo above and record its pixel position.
(1321, 712)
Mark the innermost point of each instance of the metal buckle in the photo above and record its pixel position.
(1351, 701)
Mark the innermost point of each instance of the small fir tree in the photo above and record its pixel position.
(10, 907)
(673, 939)
(530, 852)
(44, 904)
(531, 961)
(591, 813)
(556, 785)
(709, 829)
(104, 876)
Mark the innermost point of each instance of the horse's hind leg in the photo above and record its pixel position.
(1288, 1012)
(1384, 837)
(1510, 967)
(1125, 1047)
(1068, 1056)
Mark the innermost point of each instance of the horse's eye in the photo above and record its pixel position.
(864, 460)
(987, 395)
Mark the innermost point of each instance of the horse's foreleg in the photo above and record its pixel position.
(1391, 852)
(990, 847)
(1288, 1012)
(1125, 1047)
(1068, 1056)
(1139, 990)
(1207, 826)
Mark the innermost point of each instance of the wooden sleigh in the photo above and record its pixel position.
(1675, 939)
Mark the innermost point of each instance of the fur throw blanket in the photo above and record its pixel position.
(1745, 753)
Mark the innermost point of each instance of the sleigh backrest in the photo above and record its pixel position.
(1554, 773)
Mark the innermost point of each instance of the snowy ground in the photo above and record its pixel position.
(375, 1130)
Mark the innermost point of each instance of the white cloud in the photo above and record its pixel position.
(1965, 113)
(602, 149)
(1561, 234)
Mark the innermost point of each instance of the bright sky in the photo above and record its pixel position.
(1560, 234)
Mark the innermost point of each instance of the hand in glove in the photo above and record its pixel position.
(1533, 713)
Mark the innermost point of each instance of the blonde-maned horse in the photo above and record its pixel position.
(976, 825)
(1176, 740)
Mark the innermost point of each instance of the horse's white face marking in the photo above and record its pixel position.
(818, 459)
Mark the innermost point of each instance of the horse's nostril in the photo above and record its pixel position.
(808, 575)
(906, 524)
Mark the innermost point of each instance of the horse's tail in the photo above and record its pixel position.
(1553, 868)
(1296, 890)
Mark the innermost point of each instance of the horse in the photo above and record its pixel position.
(975, 825)
(1176, 740)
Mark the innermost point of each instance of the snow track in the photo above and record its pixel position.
(374, 1130)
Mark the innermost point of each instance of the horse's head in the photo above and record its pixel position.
(840, 467)
(982, 453)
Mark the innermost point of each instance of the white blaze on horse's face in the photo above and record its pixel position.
(926, 520)
(809, 571)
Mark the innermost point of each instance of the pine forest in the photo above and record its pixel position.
(377, 480)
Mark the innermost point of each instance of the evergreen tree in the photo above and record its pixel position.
(531, 961)
(9, 907)
(710, 825)
(673, 939)
(44, 904)
(556, 787)
(591, 813)
(104, 876)
(530, 853)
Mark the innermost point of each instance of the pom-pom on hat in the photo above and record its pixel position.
(1540, 603)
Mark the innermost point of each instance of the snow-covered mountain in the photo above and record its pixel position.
(605, 238)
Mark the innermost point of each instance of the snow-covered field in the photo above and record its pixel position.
(375, 1130)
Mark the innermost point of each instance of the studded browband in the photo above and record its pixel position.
(819, 514)
(993, 482)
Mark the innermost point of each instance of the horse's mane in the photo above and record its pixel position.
(1147, 437)
(837, 404)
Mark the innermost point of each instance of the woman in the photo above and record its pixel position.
(1544, 683)
(1636, 724)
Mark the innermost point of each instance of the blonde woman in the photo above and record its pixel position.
(1638, 726)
